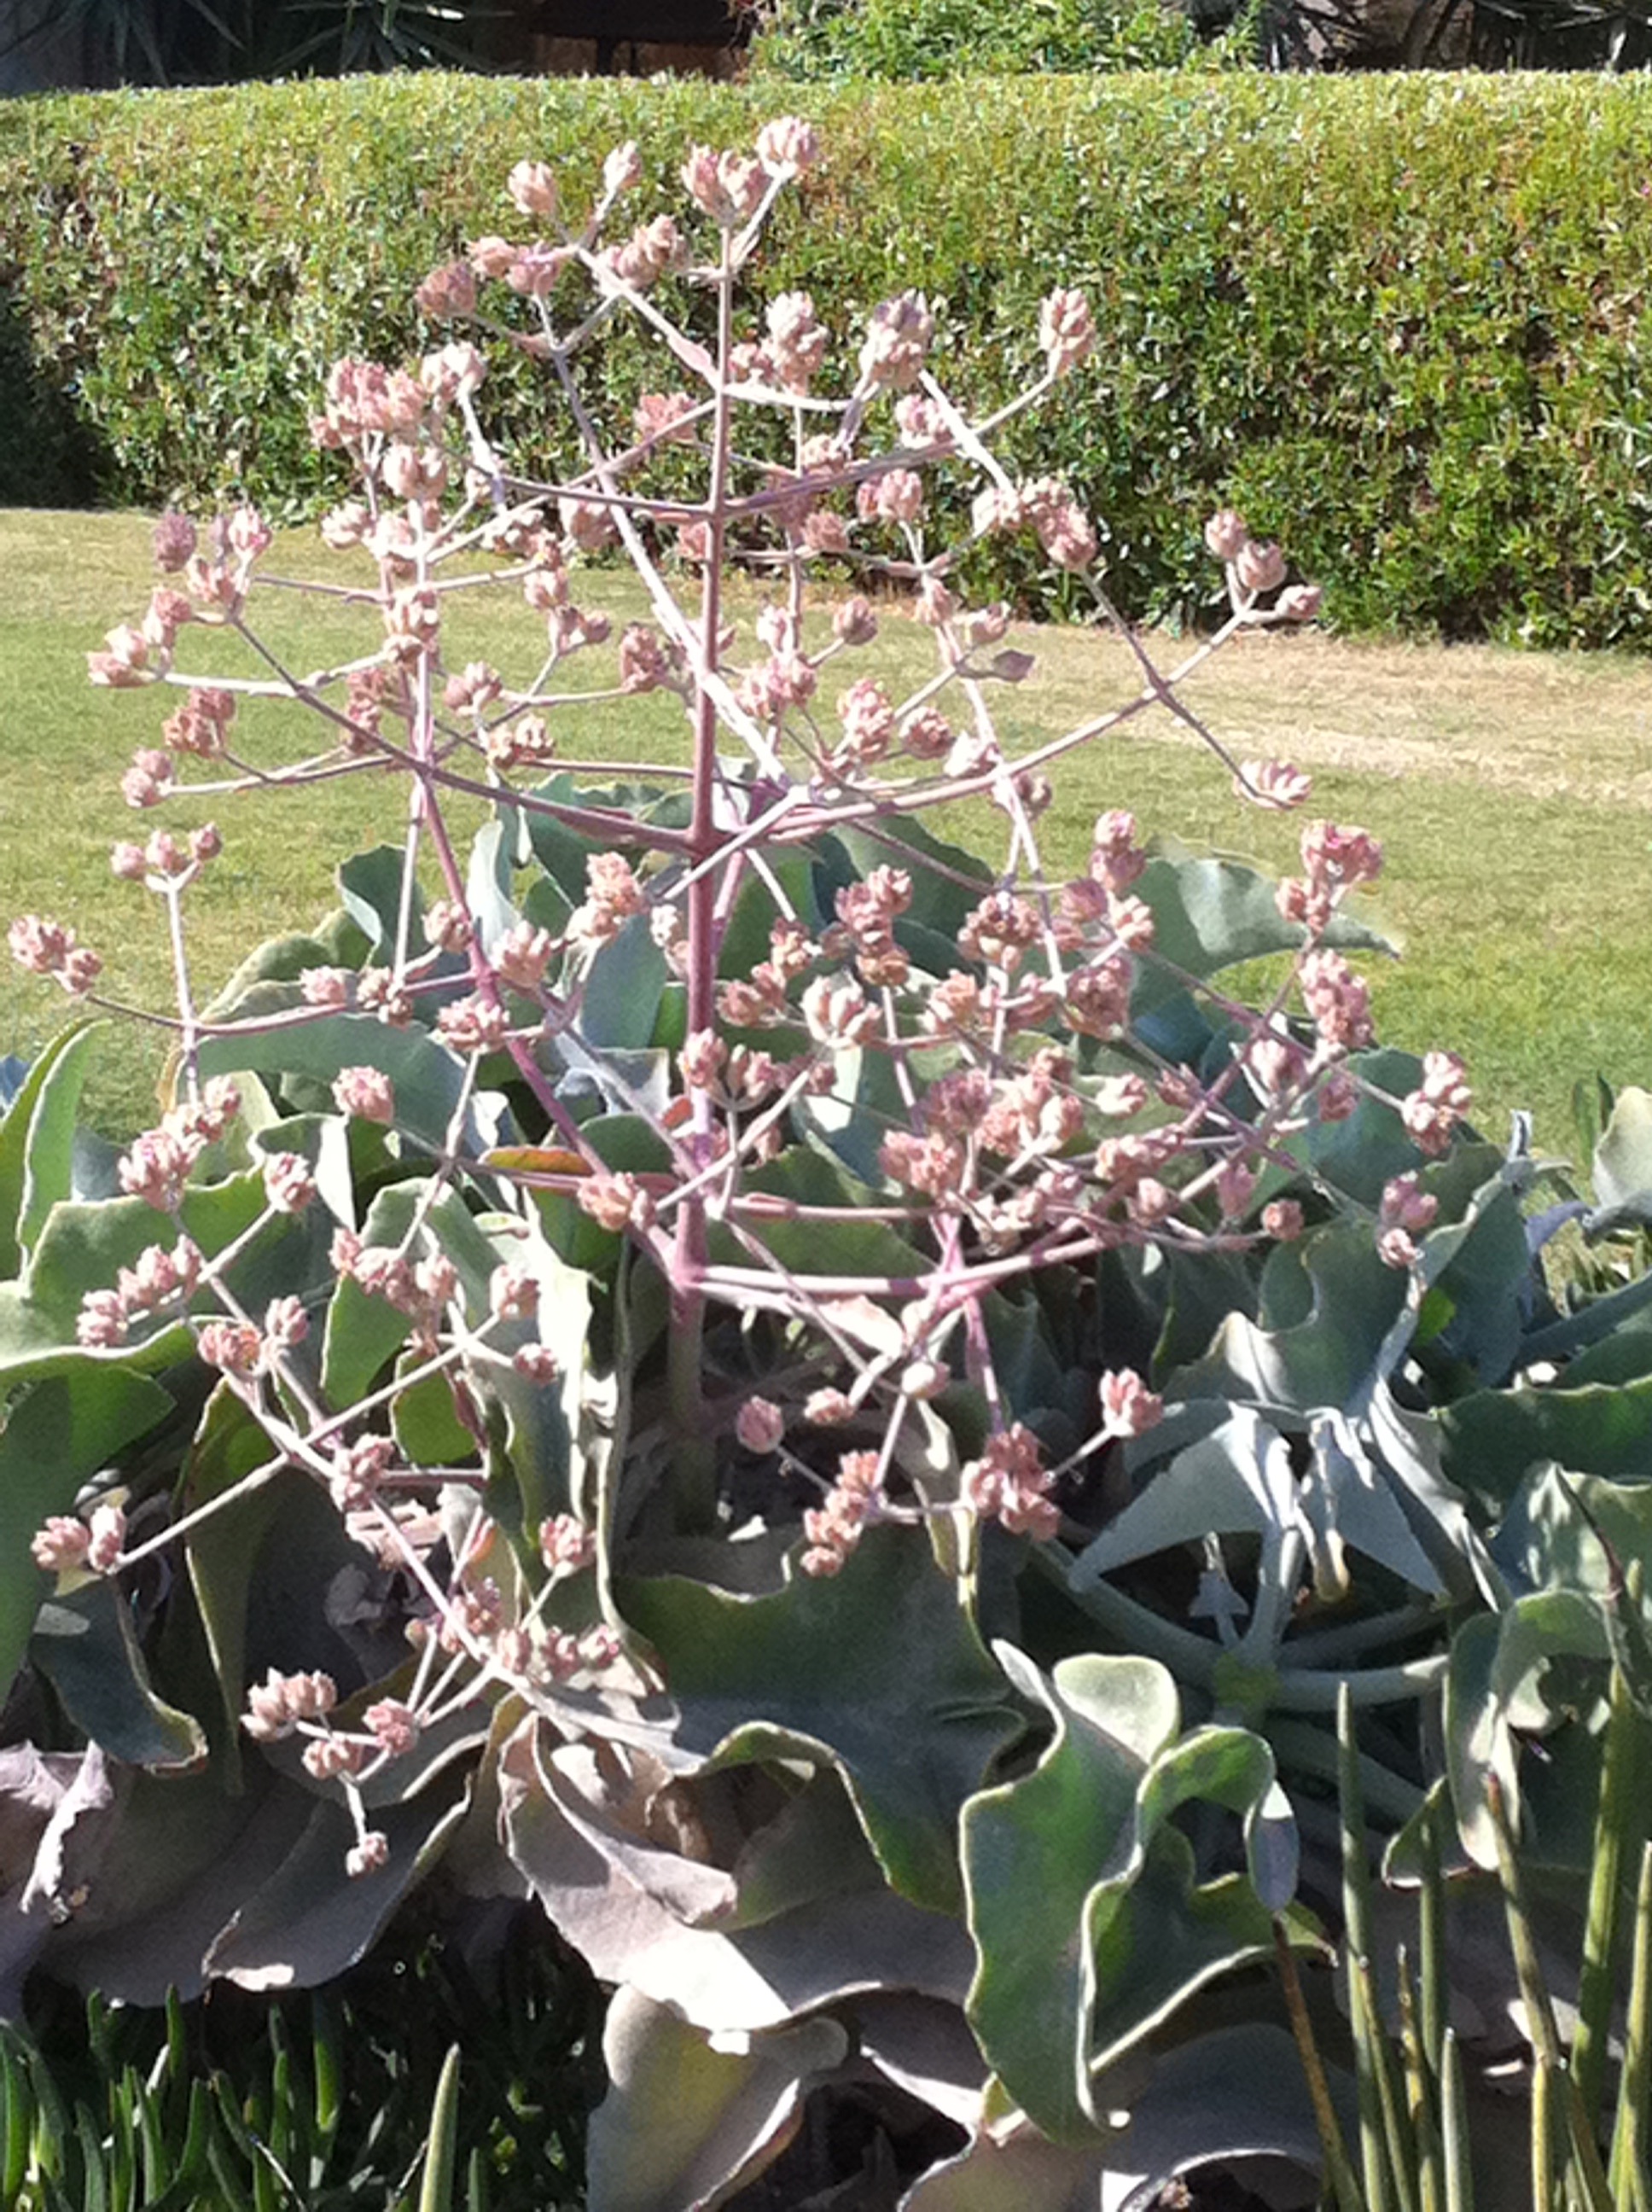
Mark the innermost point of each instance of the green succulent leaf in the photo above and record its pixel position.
(37, 1143)
(1089, 1926)
(879, 1669)
(684, 2123)
(57, 1435)
(84, 1645)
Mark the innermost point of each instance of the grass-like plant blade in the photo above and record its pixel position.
(1542, 2164)
(94, 2175)
(1636, 2078)
(1357, 1951)
(1433, 1993)
(1419, 2094)
(1455, 2158)
(16, 2120)
(1555, 2093)
(1344, 2188)
(327, 2073)
(436, 2188)
(1597, 1981)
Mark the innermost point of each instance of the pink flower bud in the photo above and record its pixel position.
(1066, 330)
(60, 1544)
(1129, 1408)
(368, 1856)
(393, 1726)
(566, 1544)
(622, 169)
(1226, 535)
(1260, 567)
(106, 1535)
(234, 1347)
(1283, 1220)
(367, 1093)
(533, 188)
(788, 145)
(760, 1424)
(514, 1294)
(537, 1363)
(448, 292)
(288, 1183)
(174, 540)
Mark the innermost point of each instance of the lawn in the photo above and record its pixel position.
(1513, 793)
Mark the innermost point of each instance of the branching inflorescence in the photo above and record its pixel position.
(1001, 1108)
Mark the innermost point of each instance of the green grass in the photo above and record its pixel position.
(1513, 793)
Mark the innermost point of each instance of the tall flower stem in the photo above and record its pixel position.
(695, 1459)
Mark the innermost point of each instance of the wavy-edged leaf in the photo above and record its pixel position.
(84, 1645)
(56, 1438)
(878, 1668)
(426, 1076)
(37, 1142)
(683, 2125)
(1088, 1925)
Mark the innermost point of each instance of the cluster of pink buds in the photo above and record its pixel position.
(158, 1166)
(158, 1277)
(565, 1545)
(275, 1706)
(1406, 1211)
(63, 1543)
(1433, 1111)
(852, 1502)
(49, 948)
(1335, 862)
(1009, 1483)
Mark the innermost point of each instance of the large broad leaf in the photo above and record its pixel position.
(84, 1645)
(878, 1668)
(803, 1177)
(735, 1981)
(37, 1143)
(1494, 1438)
(1088, 1926)
(427, 1077)
(312, 1918)
(56, 1438)
(222, 1552)
(84, 1245)
(1623, 1167)
(683, 2125)
(1209, 913)
(1233, 2097)
(939, 902)
(1333, 1325)
(1494, 1688)
(371, 885)
(620, 1003)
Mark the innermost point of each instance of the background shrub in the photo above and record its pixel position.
(1400, 320)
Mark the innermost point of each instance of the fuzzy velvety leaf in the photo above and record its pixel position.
(742, 1979)
(1493, 1688)
(878, 1668)
(852, 1120)
(621, 1141)
(427, 1429)
(939, 902)
(1087, 1926)
(83, 1246)
(1327, 1335)
(1492, 1437)
(683, 2125)
(35, 1344)
(620, 1000)
(37, 1142)
(803, 1177)
(311, 1919)
(222, 1552)
(1622, 1166)
(1024, 2173)
(371, 886)
(427, 1077)
(1209, 913)
(56, 1436)
(488, 880)
(84, 1645)
(1361, 1154)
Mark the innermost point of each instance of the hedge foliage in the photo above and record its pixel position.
(1400, 322)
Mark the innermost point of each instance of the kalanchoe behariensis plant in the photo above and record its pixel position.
(711, 1254)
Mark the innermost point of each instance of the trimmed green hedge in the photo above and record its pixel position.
(1402, 322)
